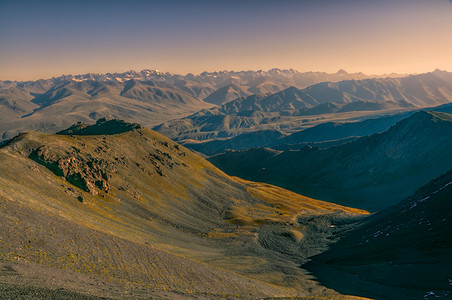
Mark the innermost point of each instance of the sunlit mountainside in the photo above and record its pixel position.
(149, 220)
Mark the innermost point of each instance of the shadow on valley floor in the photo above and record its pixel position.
(402, 252)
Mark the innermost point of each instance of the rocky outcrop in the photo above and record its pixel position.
(102, 127)
(82, 170)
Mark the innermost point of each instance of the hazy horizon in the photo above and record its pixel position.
(213, 71)
(48, 39)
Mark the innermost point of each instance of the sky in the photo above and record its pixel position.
(42, 39)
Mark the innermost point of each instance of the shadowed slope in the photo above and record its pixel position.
(372, 172)
(226, 94)
(401, 252)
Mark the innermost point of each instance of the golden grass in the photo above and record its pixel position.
(287, 202)
(279, 206)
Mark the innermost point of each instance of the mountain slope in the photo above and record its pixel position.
(405, 248)
(135, 214)
(288, 99)
(423, 90)
(372, 172)
(226, 94)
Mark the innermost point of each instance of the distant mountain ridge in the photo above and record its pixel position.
(219, 77)
(268, 100)
(430, 89)
(53, 104)
(204, 84)
(294, 109)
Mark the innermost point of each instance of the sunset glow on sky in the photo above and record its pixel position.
(41, 39)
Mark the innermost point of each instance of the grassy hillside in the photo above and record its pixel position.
(135, 214)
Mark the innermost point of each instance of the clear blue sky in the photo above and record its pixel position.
(41, 39)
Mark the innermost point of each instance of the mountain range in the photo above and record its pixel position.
(323, 135)
(52, 108)
(292, 110)
(148, 97)
(204, 84)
